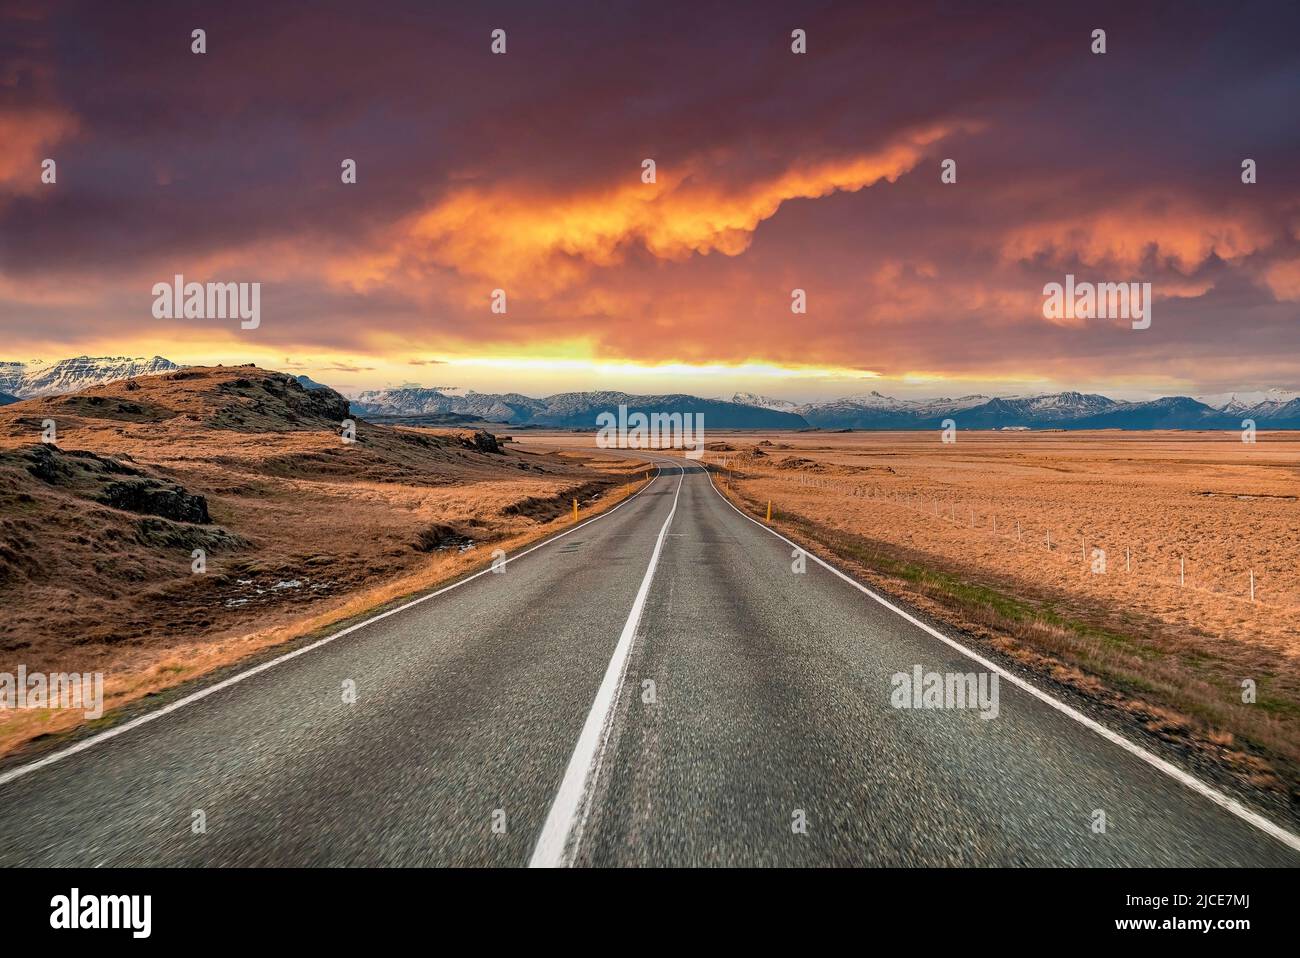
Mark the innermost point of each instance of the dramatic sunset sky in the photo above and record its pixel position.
(775, 171)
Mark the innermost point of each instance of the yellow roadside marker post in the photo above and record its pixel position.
(769, 510)
(575, 510)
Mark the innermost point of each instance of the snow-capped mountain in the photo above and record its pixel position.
(428, 401)
(1169, 412)
(945, 405)
(763, 402)
(1054, 407)
(873, 410)
(574, 410)
(1260, 402)
(11, 376)
(39, 378)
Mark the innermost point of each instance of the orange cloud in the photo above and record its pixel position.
(1283, 279)
(547, 244)
(27, 137)
(1124, 237)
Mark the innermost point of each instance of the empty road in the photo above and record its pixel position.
(658, 686)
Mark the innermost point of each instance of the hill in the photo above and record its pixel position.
(98, 530)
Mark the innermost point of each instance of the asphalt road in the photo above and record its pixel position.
(510, 720)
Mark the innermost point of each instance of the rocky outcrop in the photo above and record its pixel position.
(479, 440)
(152, 497)
(112, 482)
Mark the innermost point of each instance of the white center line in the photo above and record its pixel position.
(562, 833)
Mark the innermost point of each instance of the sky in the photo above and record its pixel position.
(774, 171)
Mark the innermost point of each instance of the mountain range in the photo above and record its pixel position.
(24, 380)
(1269, 409)
(1274, 409)
(576, 410)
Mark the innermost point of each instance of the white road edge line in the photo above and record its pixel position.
(1173, 771)
(568, 814)
(21, 770)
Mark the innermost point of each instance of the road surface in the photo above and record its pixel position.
(509, 721)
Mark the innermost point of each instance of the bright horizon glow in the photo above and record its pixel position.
(616, 368)
(540, 376)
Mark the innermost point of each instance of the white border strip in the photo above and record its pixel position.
(1284, 836)
(569, 811)
(21, 770)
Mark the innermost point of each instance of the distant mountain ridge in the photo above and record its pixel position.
(575, 410)
(25, 380)
(1269, 409)
(1064, 410)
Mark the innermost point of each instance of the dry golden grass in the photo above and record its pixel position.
(1223, 507)
(305, 531)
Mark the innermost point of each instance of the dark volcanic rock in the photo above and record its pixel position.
(153, 497)
(281, 395)
(47, 465)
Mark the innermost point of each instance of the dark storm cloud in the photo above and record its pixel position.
(1125, 164)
